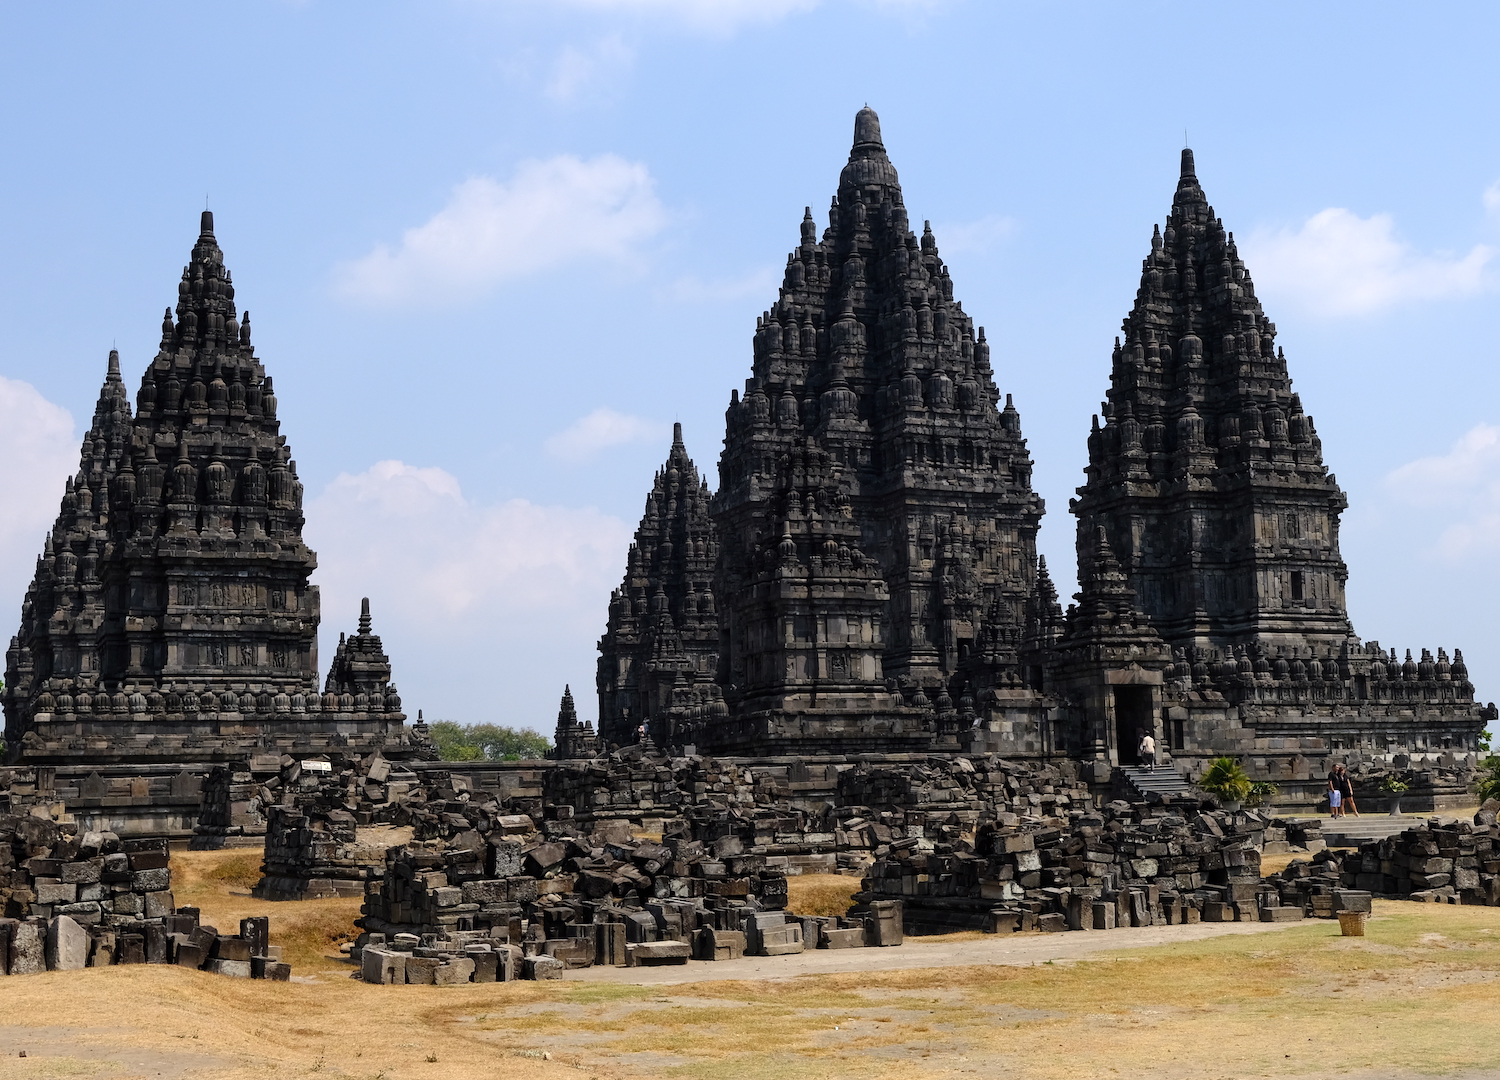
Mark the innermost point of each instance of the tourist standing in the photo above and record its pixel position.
(1148, 751)
(1345, 784)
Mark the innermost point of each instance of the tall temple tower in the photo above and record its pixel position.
(1213, 609)
(1207, 475)
(659, 653)
(172, 617)
(875, 511)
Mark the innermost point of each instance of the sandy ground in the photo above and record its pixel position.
(1415, 998)
(927, 952)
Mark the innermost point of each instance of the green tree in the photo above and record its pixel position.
(1226, 780)
(1488, 785)
(486, 742)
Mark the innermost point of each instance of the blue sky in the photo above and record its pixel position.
(493, 250)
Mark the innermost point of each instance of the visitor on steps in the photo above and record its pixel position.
(1148, 751)
(1341, 780)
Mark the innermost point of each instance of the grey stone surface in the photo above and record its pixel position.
(28, 947)
(172, 594)
(67, 945)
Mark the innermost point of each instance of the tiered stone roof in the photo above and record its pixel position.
(867, 359)
(175, 584)
(659, 653)
(1207, 474)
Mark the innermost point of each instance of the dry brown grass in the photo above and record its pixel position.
(1414, 998)
(218, 883)
(821, 894)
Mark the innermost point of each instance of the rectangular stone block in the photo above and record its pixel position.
(1280, 914)
(83, 872)
(255, 930)
(1351, 900)
(231, 948)
(456, 972)
(653, 953)
(383, 967)
(1104, 915)
(996, 921)
(544, 967)
(67, 945)
(150, 880)
(28, 948)
(883, 926)
(848, 938)
(486, 966)
(55, 892)
(238, 969)
(149, 860)
(719, 944)
(420, 970)
(609, 944)
(191, 956)
(158, 904)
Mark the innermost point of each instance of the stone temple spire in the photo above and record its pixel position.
(1205, 448)
(659, 653)
(869, 376)
(573, 739)
(175, 584)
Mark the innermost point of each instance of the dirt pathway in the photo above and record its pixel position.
(1019, 950)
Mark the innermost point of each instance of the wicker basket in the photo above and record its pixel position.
(1352, 923)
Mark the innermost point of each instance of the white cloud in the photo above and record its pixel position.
(486, 609)
(596, 67)
(39, 450)
(1462, 486)
(982, 234)
(1339, 263)
(554, 212)
(713, 16)
(599, 430)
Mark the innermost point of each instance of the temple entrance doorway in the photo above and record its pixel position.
(1133, 714)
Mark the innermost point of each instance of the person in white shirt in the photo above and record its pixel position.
(1148, 751)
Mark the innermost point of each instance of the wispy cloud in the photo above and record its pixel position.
(601, 429)
(595, 68)
(1339, 263)
(486, 609)
(1461, 486)
(554, 212)
(40, 451)
(712, 16)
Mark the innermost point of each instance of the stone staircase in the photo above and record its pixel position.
(1164, 780)
(1353, 831)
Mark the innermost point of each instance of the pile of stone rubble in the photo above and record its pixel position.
(540, 901)
(1441, 860)
(238, 799)
(1120, 865)
(75, 900)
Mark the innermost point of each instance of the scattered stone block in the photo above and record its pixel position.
(544, 967)
(655, 953)
(67, 945)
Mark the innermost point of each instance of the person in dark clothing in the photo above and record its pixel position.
(1341, 792)
(1346, 788)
